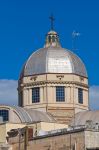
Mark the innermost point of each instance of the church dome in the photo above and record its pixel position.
(53, 59)
(82, 117)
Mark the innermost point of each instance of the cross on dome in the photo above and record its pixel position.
(52, 19)
(52, 38)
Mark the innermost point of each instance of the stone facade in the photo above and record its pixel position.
(38, 128)
(54, 142)
(47, 84)
(51, 67)
(79, 139)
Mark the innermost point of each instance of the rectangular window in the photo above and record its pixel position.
(36, 95)
(4, 114)
(60, 93)
(80, 95)
(21, 99)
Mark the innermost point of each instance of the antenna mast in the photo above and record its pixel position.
(74, 36)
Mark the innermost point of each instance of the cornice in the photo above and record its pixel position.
(39, 83)
(55, 74)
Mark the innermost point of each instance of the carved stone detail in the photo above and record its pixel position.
(54, 82)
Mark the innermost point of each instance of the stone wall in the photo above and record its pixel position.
(5, 147)
(56, 142)
(92, 139)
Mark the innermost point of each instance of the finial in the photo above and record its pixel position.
(52, 21)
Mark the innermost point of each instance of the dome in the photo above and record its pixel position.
(27, 115)
(82, 117)
(53, 59)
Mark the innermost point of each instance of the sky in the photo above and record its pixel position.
(23, 26)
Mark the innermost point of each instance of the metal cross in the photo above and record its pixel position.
(52, 21)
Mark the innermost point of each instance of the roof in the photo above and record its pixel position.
(53, 59)
(29, 115)
(82, 117)
(40, 115)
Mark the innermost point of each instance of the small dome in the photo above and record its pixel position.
(82, 117)
(27, 115)
(53, 59)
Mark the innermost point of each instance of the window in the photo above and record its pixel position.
(53, 38)
(73, 147)
(4, 114)
(49, 38)
(21, 99)
(80, 95)
(36, 95)
(60, 93)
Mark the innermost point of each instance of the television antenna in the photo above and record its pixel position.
(74, 36)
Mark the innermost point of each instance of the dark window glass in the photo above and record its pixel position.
(36, 95)
(73, 147)
(53, 38)
(49, 38)
(80, 95)
(4, 114)
(21, 99)
(60, 93)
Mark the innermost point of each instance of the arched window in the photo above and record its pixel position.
(4, 114)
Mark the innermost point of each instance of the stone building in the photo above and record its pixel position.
(73, 139)
(53, 95)
(54, 80)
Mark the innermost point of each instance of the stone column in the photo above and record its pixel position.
(76, 95)
(85, 97)
(41, 95)
(44, 98)
(66, 100)
(30, 96)
(54, 94)
(25, 97)
(72, 94)
(68, 94)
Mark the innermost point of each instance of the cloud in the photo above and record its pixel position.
(8, 92)
(94, 97)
